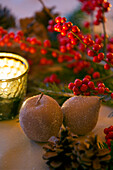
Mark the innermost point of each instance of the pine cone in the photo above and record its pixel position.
(90, 156)
(59, 151)
(7, 20)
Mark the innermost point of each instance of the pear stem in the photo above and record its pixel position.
(39, 98)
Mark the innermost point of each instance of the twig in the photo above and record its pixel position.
(53, 92)
(104, 29)
(46, 9)
(78, 38)
(104, 78)
(92, 25)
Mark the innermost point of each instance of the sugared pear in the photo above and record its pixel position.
(40, 118)
(80, 113)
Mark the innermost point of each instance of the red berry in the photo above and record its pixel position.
(63, 32)
(88, 76)
(108, 142)
(86, 40)
(1, 30)
(63, 20)
(55, 27)
(50, 28)
(85, 81)
(77, 56)
(106, 66)
(33, 41)
(112, 95)
(70, 24)
(95, 59)
(39, 42)
(43, 61)
(20, 33)
(43, 51)
(50, 62)
(87, 93)
(109, 55)
(53, 78)
(71, 85)
(107, 89)
(101, 85)
(84, 87)
(65, 26)
(9, 44)
(78, 82)
(58, 19)
(96, 47)
(47, 43)
(32, 50)
(101, 90)
(46, 80)
(106, 137)
(11, 35)
(91, 85)
(110, 128)
(106, 5)
(6, 38)
(54, 54)
(98, 40)
(75, 89)
(96, 75)
(110, 135)
(63, 48)
(70, 35)
(86, 24)
(96, 22)
(22, 46)
(51, 22)
(75, 29)
(68, 46)
(106, 131)
(17, 38)
(28, 39)
(26, 49)
(74, 41)
(90, 53)
(101, 56)
(60, 59)
(58, 27)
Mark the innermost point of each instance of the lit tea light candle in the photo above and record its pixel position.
(13, 82)
(10, 68)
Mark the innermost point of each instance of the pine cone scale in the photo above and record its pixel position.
(55, 164)
(48, 155)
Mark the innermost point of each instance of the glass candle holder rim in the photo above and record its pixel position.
(14, 56)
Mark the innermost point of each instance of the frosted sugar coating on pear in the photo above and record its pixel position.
(81, 113)
(40, 120)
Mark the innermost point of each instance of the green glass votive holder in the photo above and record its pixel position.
(13, 84)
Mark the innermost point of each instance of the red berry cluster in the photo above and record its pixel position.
(110, 45)
(97, 6)
(29, 44)
(74, 36)
(79, 66)
(45, 61)
(109, 136)
(52, 79)
(87, 87)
